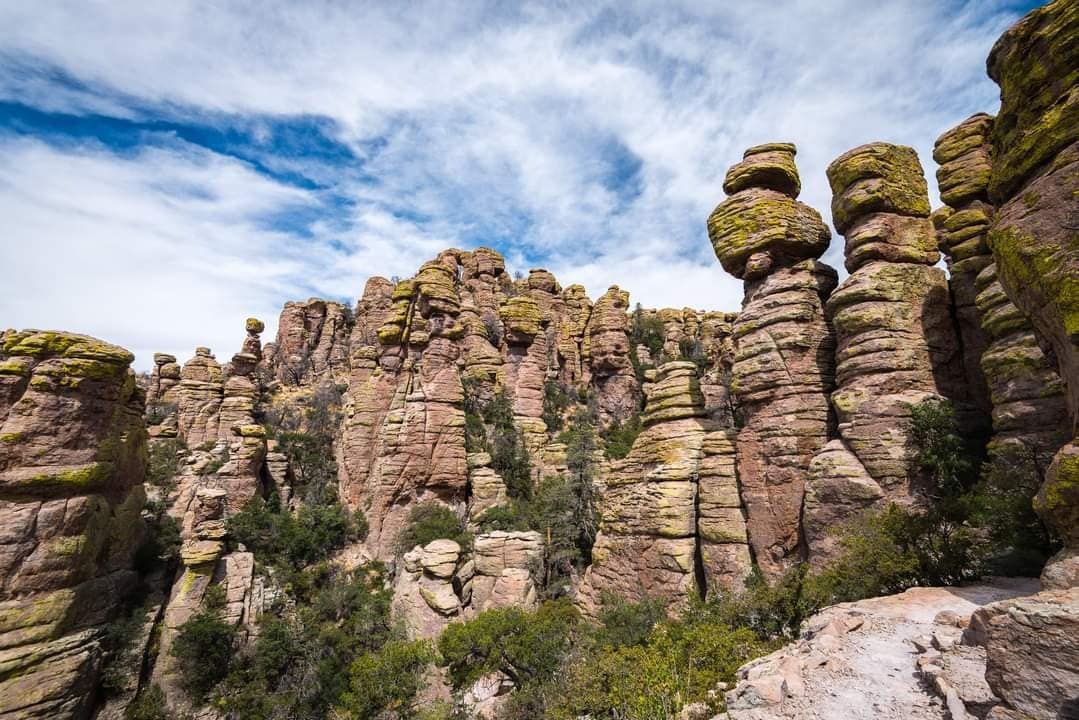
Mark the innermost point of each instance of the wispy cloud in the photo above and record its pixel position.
(283, 149)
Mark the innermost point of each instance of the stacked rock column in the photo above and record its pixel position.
(895, 336)
(783, 363)
(1026, 394)
(963, 176)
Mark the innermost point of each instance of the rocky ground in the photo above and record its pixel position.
(861, 660)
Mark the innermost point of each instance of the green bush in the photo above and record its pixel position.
(161, 545)
(556, 400)
(294, 540)
(386, 679)
(526, 646)
(508, 517)
(203, 649)
(624, 623)
(164, 458)
(432, 520)
(298, 666)
(620, 436)
(938, 449)
(1002, 503)
(509, 456)
(149, 705)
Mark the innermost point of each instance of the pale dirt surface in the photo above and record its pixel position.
(839, 672)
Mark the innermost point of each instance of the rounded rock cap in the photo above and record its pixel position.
(254, 325)
(769, 166)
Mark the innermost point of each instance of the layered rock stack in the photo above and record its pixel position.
(200, 394)
(783, 363)
(162, 397)
(647, 544)
(72, 460)
(895, 337)
(1027, 400)
(608, 350)
(1035, 234)
(962, 224)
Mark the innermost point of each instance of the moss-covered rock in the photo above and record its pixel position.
(878, 177)
(768, 166)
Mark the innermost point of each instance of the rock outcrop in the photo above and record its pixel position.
(1029, 415)
(783, 362)
(1035, 233)
(896, 344)
(72, 461)
(650, 526)
(312, 343)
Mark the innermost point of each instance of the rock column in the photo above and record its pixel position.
(896, 341)
(783, 363)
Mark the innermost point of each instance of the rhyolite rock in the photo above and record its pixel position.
(312, 342)
(1035, 236)
(896, 344)
(649, 523)
(782, 369)
(72, 461)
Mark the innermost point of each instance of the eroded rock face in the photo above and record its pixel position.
(647, 540)
(1029, 415)
(783, 362)
(72, 459)
(962, 225)
(896, 345)
(1035, 234)
(312, 343)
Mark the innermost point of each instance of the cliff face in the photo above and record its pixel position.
(72, 459)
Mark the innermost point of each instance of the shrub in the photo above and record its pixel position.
(624, 623)
(526, 646)
(619, 438)
(507, 517)
(679, 662)
(387, 679)
(162, 543)
(555, 402)
(1002, 503)
(294, 540)
(164, 458)
(298, 666)
(203, 649)
(509, 456)
(149, 705)
(937, 448)
(432, 520)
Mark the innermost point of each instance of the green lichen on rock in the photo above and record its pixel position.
(765, 166)
(88, 477)
(760, 220)
(521, 316)
(42, 344)
(10, 438)
(253, 325)
(1036, 64)
(878, 177)
(1024, 262)
(1057, 502)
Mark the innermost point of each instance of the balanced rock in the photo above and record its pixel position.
(783, 348)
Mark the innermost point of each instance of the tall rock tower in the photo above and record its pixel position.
(783, 364)
(896, 344)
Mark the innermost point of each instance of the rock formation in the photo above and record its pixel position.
(72, 461)
(1034, 182)
(896, 345)
(647, 545)
(783, 363)
(312, 342)
(1025, 392)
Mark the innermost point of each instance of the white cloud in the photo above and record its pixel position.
(494, 122)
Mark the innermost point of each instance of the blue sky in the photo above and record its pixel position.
(169, 169)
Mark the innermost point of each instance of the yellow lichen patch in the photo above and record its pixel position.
(41, 344)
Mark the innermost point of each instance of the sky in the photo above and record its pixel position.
(168, 169)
